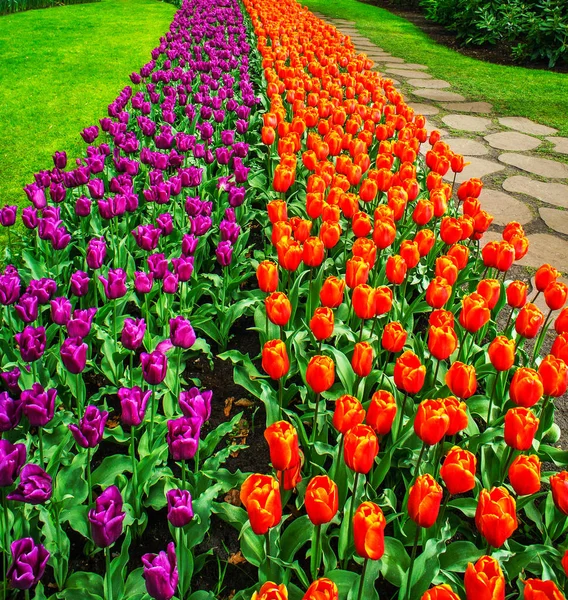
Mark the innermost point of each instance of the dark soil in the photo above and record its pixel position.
(499, 54)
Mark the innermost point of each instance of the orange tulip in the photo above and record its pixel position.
(484, 580)
(441, 318)
(438, 292)
(555, 295)
(267, 276)
(410, 253)
(529, 321)
(381, 412)
(383, 300)
(291, 477)
(283, 179)
(490, 289)
(260, 496)
(409, 372)
(271, 591)
(267, 135)
(321, 500)
(431, 421)
(424, 501)
(502, 353)
(348, 413)
(356, 272)
(331, 293)
(544, 276)
(553, 373)
(289, 254)
(396, 269)
(474, 313)
(275, 359)
(457, 411)
(565, 563)
(450, 230)
(461, 380)
(282, 439)
(384, 233)
(366, 249)
(560, 347)
(561, 323)
(425, 240)
(360, 448)
(537, 589)
(361, 224)
(321, 324)
(460, 254)
(369, 531)
(440, 592)
(278, 308)
(521, 426)
(394, 337)
(496, 515)
(322, 589)
(526, 387)
(362, 360)
(447, 268)
(524, 474)
(363, 301)
(277, 211)
(320, 374)
(559, 486)
(329, 234)
(458, 471)
(517, 294)
(442, 341)
(504, 256)
(313, 252)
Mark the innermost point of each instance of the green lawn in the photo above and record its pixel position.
(537, 94)
(59, 69)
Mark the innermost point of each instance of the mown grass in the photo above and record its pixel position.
(13, 6)
(537, 94)
(59, 69)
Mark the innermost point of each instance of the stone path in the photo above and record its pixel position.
(519, 161)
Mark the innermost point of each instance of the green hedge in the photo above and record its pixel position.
(532, 29)
(13, 6)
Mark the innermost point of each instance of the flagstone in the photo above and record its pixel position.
(512, 140)
(539, 166)
(467, 123)
(549, 192)
(469, 107)
(560, 144)
(478, 167)
(546, 248)
(555, 218)
(504, 208)
(409, 74)
(424, 109)
(439, 95)
(467, 146)
(526, 126)
(434, 84)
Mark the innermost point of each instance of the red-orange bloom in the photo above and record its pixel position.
(446, 268)
(461, 380)
(431, 421)
(289, 254)
(496, 515)
(271, 591)
(260, 496)
(369, 531)
(381, 412)
(555, 295)
(526, 387)
(559, 486)
(561, 323)
(440, 592)
(502, 353)
(275, 359)
(484, 580)
(277, 211)
(490, 289)
(321, 324)
(331, 293)
(383, 300)
(394, 337)
(363, 300)
(356, 271)
(278, 308)
(458, 471)
(554, 376)
(537, 589)
(474, 313)
(348, 413)
(267, 276)
(529, 320)
(544, 276)
(517, 294)
(438, 292)
(396, 269)
(313, 252)
(320, 374)
(322, 589)
(524, 474)
(520, 427)
(442, 341)
(321, 500)
(282, 439)
(360, 448)
(362, 359)
(424, 501)
(457, 411)
(409, 372)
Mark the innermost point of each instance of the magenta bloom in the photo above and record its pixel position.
(161, 573)
(133, 333)
(90, 430)
(27, 308)
(79, 283)
(182, 334)
(73, 354)
(32, 342)
(115, 285)
(35, 486)
(195, 403)
(38, 405)
(133, 402)
(80, 325)
(28, 564)
(60, 310)
(183, 437)
(96, 253)
(10, 411)
(107, 517)
(154, 367)
(180, 507)
(12, 459)
(147, 237)
(143, 282)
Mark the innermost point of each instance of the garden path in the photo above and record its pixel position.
(516, 158)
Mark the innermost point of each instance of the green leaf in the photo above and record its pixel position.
(343, 368)
(252, 545)
(110, 468)
(467, 506)
(395, 561)
(135, 584)
(294, 537)
(345, 581)
(76, 516)
(234, 515)
(86, 582)
(458, 555)
(70, 488)
(118, 567)
(208, 445)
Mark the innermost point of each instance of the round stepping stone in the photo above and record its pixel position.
(413, 66)
(526, 126)
(556, 219)
(433, 84)
(512, 140)
(409, 74)
(551, 193)
(539, 166)
(560, 144)
(469, 107)
(504, 208)
(467, 123)
(423, 109)
(439, 95)
(546, 248)
(466, 146)
(478, 167)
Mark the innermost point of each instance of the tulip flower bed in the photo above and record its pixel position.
(409, 414)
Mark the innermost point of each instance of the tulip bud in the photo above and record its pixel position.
(28, 564)
(321, 500)
(282, 441)
(431, 421)
(458, 471)
(461, 380)
(559, 487)
(348, 413)
(424, 501)
(267, 276)
(521, 426)
(524, 474)
(361, 447)
(278, 308)
(362, 360)
(526, 387)
(106, 517)
(320, 373)
(484, 580)
(496, 516)
(369, 531)
(260, 496)
(537, 589)
(275, 359)
(161, 573)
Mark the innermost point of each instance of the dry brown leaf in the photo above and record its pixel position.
(237, 558)
(244, 402)
(233, 497)
(228, 405)
(113, 422)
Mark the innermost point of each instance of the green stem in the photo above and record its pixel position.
(40, 445)
(89, 478)
(267, 555)
(135, 496)
(152, 419)
(108, 581)
(362, 582)
(412, 557)
(315, 423)
(180, 551)
(178, 367)
(402, 414)
(196, 458)
(280, 395)
(491, 398)
(419, 462)
(59, 579)
(436, 373)
(183, 474)
(351, 513)
(132, 369)
(315, 559)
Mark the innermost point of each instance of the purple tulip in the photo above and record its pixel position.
(180, 507)
(96, 253)
(27, 308)
(143, 282)
(83, 207)
(158, 265)
(28, 563)
(161, 573)
(183, 267)
(183, 437)
(10, 380)
(10, 412)
(229, 231)
(12, 459)
(200, 224)
(35, 486)
(107, 517)
(133, 402)
(38, 405)
(170, 283)
(60, 238)
(43, 289)
(60, 310)
(36, 195)
(90, 430)
(115, 285)
(30, 217)
(57, 192)
(73, 354)
(228, 137)
(133, 333)
(224, 253)
(236, 196)
(60, 160)
(154, 367)
(32, 342)
(9, 288)
(189, 244)
(165, 223)
(90, 134)
(182, 334)
(8, 215)
(80, 325)
(196, 404)
(79, 283)
(147, 237)
(96, 188)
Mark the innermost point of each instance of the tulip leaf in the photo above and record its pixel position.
(294, 537)
(71, 479)
(369, 591)
(83, 584)
(426, 567)
(252, 545)
(234, 515)
(36, 267)
(458, 555)
(208, 445)
(197, 528)
(261, 390)
(76, 516)
(111, 467)
(135, 584)
(343, 368)
(521, 559)
(395, 561)
(345, 581)
(118, 567)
